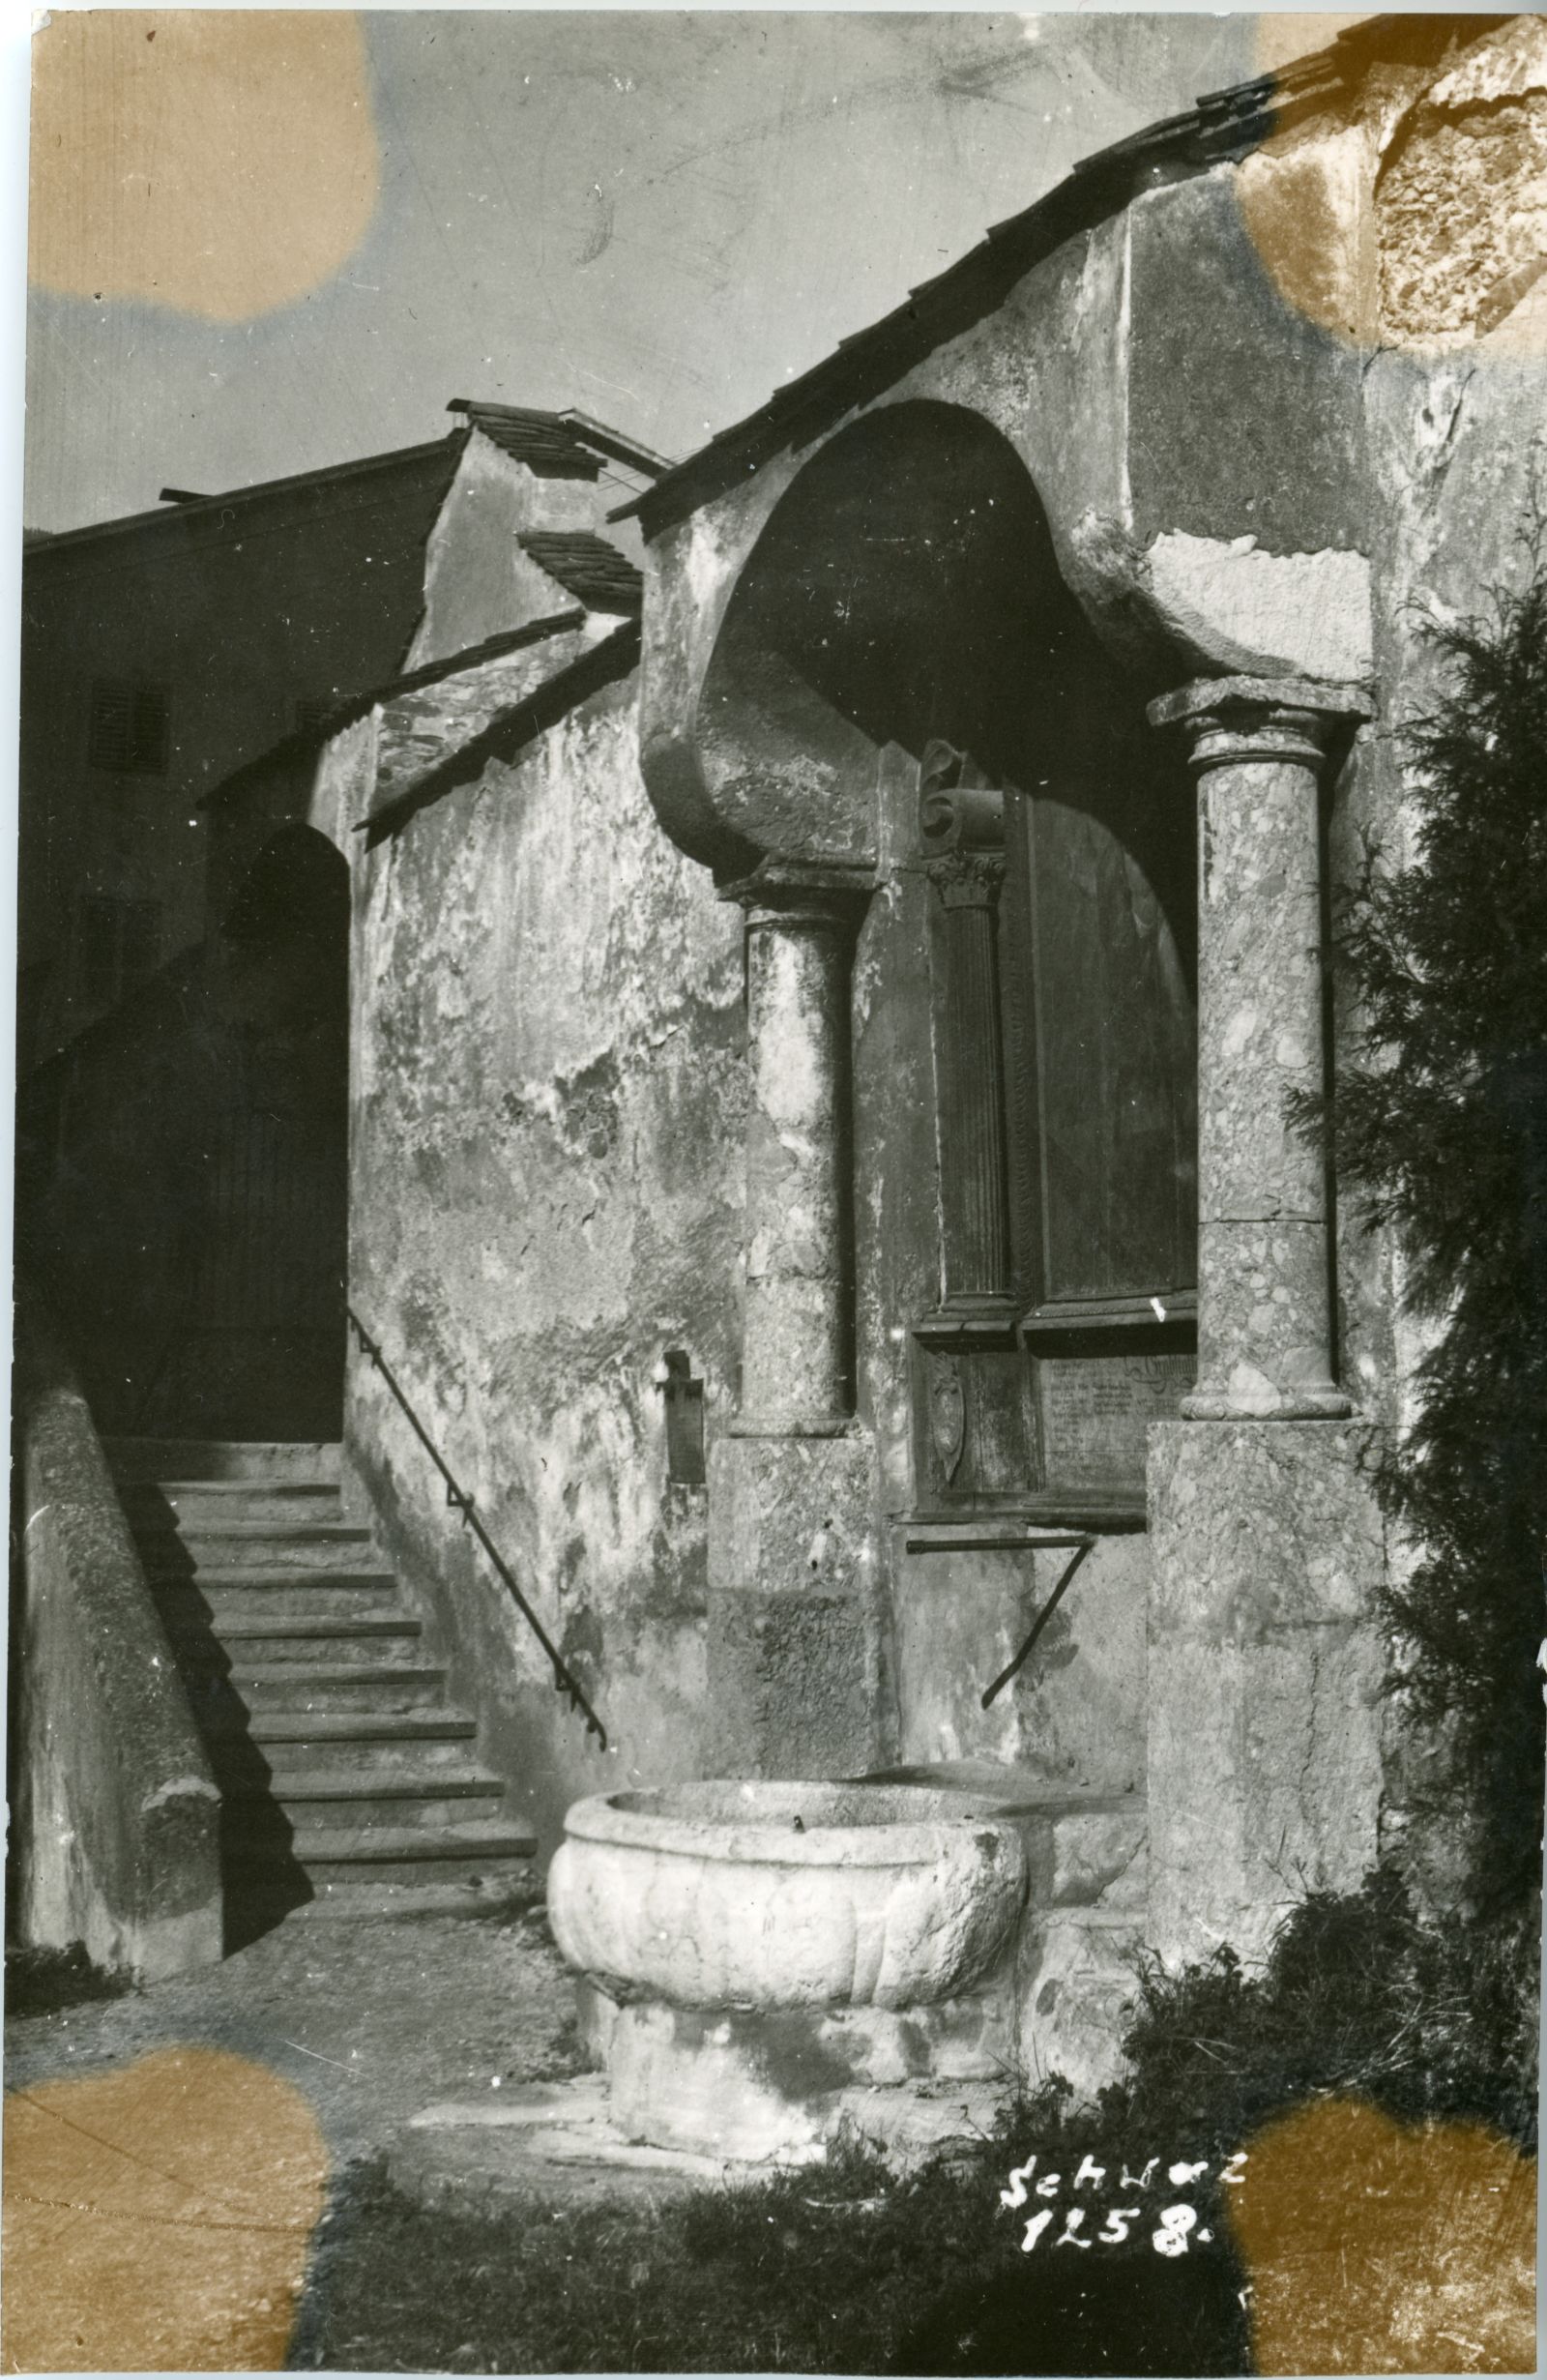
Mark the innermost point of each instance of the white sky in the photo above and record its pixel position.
(654, 217)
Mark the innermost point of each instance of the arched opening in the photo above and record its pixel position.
(265, 1341)
(905, 597)
(187, 1202)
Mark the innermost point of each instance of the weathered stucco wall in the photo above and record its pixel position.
(477, 579)
(547, 1183)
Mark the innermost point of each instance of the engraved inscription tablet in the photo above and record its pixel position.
(1096, 1409)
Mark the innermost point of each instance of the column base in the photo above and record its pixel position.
(976, 1321)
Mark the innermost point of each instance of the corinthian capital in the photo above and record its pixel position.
(968, 879)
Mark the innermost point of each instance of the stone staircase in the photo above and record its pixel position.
(350, 1785)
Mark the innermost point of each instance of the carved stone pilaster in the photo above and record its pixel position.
(962, 829)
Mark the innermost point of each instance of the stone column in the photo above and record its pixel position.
(1264, 1275)
(1265, 1659)
(794, 1621)
(796, 1360)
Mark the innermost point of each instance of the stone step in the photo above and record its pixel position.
(284, 1639)
(221, 1458)
(299, 1545)
(411, 1757)
(245, 1765)
(281, 1577)
(402, 1800)
(274, 1729)
(322, 1688)
(166, 1504)
(456, 1854)
(219, 1600)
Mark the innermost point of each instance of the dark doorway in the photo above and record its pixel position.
(185, 1165)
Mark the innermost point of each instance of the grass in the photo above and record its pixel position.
(840, 2269)
(40, 1982)
(1361, 1996)
(845, 2269)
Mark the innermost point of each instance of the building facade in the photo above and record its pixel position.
(817, 1054)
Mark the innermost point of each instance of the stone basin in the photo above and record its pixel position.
(756, 1894)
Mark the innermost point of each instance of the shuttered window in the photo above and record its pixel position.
(129, 727)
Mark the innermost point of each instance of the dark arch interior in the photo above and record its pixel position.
(907, 588)
(908, 576)
(184, 1181)
(296, 893)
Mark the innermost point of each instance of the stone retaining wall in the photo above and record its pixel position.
(117, 1816)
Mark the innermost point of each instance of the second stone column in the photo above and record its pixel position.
(1264, 1337)
(795, 1361)
(1265, 1765)
(794, 1623)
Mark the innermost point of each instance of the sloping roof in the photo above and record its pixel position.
(542, 441)
(556, 445)
(510, 732)
(436, 462)
(1222, 124)
(563, 446)
(591, 569)
(333, 717)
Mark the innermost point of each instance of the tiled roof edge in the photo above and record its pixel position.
(508, 735)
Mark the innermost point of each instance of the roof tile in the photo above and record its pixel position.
(544, 441)
(591, 569)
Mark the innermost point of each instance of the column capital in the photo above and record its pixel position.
(796, 892)
(1232, 719)
(967, 879)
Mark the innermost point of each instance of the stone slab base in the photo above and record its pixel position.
(540, 2140)
(779, 2084)
(557, 2138)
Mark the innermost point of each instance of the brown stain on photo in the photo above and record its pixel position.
(1421, 225)
(223, 161)
(156, 2218)
(1375, 2246)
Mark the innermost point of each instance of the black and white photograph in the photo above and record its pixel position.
(779, 1406)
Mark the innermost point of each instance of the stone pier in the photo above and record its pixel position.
(1265, 1658)
(794, 1618)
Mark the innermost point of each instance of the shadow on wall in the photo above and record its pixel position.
(182, 1173)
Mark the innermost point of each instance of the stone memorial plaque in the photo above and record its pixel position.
(1096, 1409)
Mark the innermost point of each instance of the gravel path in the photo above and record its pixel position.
(372, 2019)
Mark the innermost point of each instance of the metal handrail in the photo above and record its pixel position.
(1082, 1546)
(563, 1679)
